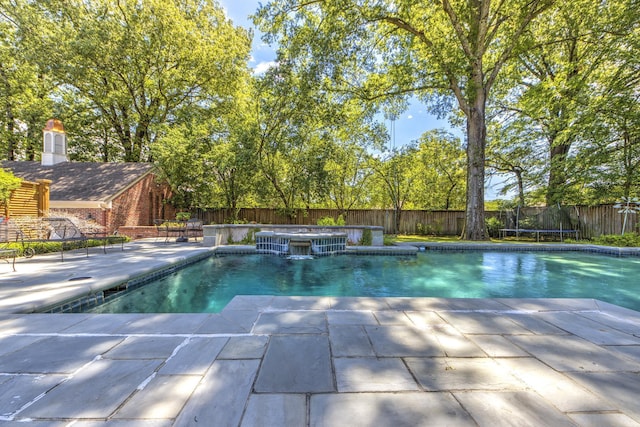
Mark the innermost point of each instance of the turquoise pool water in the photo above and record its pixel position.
(207, 286)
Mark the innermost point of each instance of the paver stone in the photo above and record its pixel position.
(296, 364)
(387, 409)
(95, 391)
(373, 374)
(349, 340)
(194, 357)
(163, 397)
(522, 408)
(291, 322)
(445, 373)
(220, 398)
(268, 410)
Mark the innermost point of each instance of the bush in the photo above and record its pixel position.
(234, 220)
(624, 240)
(367, 237)
(389, 239)
(183, 216)
(250, 238)
(421, 229)
(528, 223)
(329, 221)
(429, 229)
(493, 225)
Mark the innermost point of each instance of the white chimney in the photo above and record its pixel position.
(55, 143)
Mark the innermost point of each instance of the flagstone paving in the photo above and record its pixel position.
(304, 361)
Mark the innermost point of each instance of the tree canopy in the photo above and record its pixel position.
(449, 51)
(133, 66)
(546, 94)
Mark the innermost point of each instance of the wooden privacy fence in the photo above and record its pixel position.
(436, 222)
(591, 221)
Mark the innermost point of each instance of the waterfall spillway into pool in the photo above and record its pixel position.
(300, 245)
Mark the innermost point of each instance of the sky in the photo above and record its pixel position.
(409, 126)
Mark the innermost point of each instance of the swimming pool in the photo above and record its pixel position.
(208, 285)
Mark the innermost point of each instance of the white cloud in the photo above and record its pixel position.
(263, 67)
(409, 117)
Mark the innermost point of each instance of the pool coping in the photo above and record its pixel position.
(524, 247)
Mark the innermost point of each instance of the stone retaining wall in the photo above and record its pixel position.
(226, 234)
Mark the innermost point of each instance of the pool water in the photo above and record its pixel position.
(207, 286)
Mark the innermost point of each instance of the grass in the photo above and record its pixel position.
(408, 238)
(415, 238)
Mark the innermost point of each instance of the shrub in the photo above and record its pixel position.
(367, 237)
(528, 223)
(250, 238)
(624, 240)
(183, 216)
(429, 229)
(389, 239)
(493, 225)
(329, 221)
(234, 220)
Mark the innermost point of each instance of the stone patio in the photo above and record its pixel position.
(304, 361)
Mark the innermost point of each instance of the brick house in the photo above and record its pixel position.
(112, 194)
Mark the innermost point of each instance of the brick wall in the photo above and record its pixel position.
(138, 232)
(140, 205)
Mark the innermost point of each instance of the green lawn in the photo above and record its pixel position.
(391, 239)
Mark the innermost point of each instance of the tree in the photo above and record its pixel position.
(435, 50)
(8, 183)
(397, 175)
(303, 131)
(348, 171)
(287, 122)
(207, 160)
(515, 150)
(139, 64)
(24, 104)
(613, 117)
(611, 155)
(553, 88)
(441, 170)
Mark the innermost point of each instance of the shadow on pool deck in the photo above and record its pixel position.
(298, 361)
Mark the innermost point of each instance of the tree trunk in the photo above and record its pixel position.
(475, 228)
(520, 180)
(9, 118)
(557, 174)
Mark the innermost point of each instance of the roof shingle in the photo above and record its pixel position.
(82, 181)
